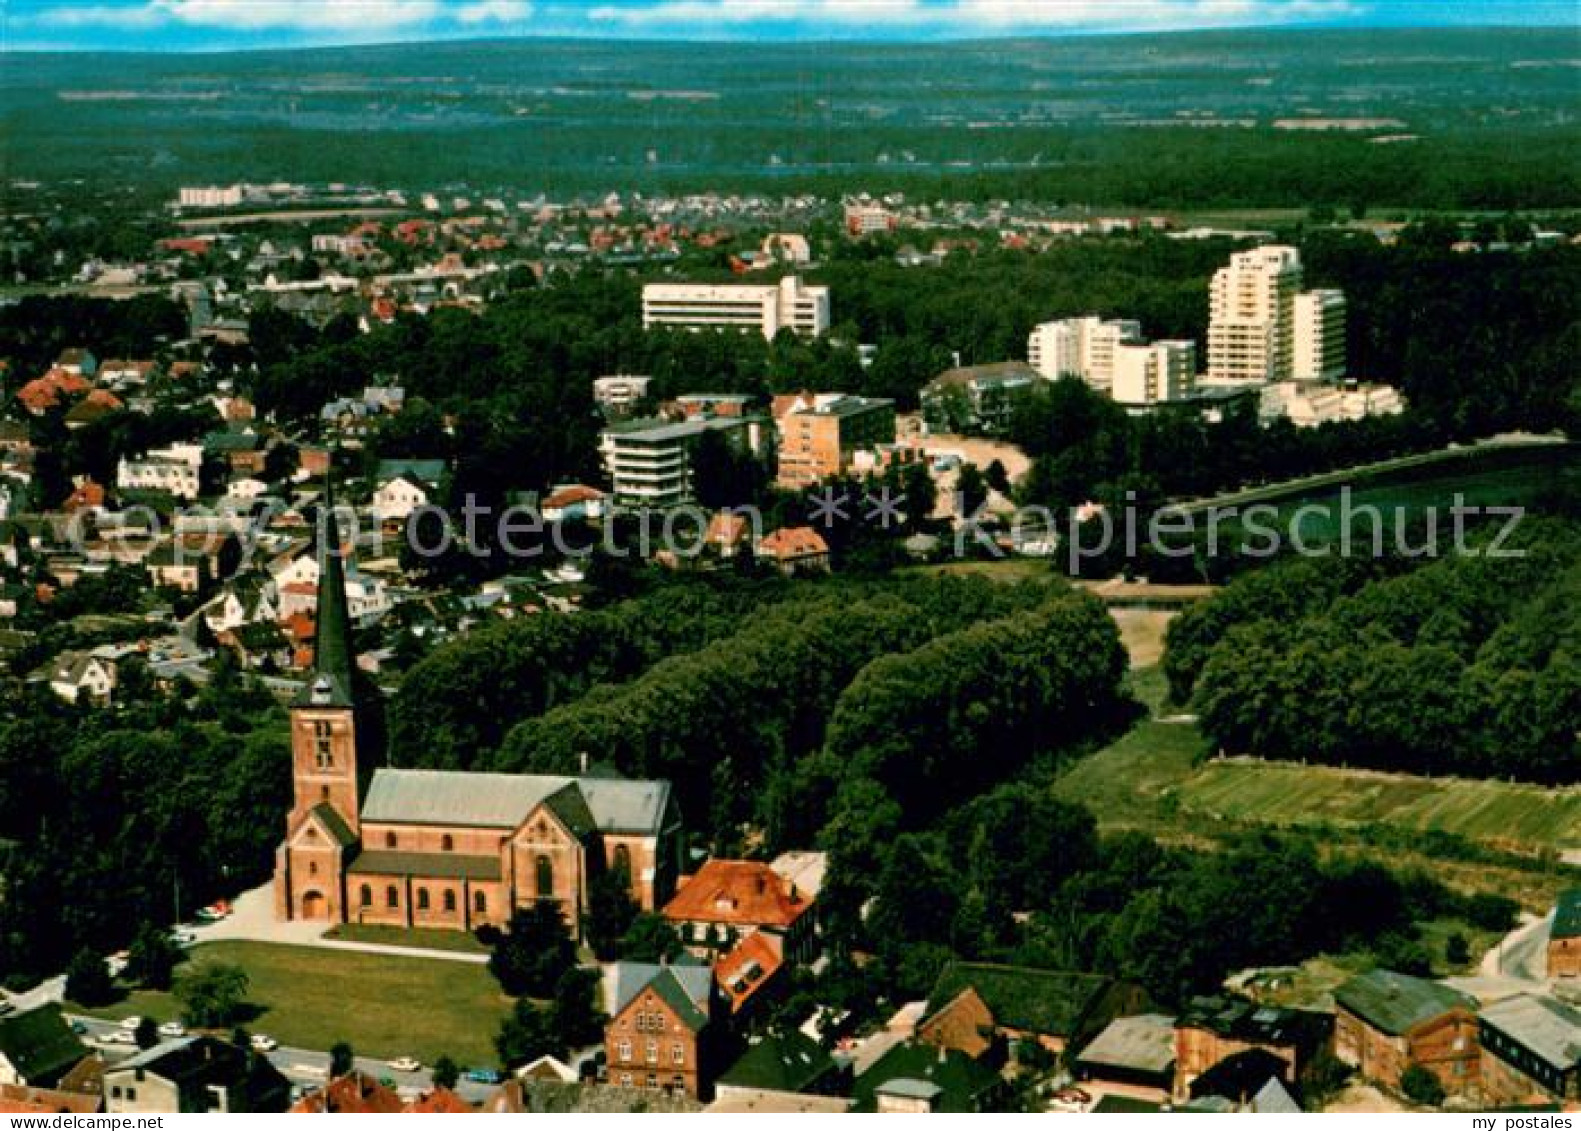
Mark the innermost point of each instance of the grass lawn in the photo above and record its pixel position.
(423, 938)
(385, 1007)
(1519, 818)
(1126, 783)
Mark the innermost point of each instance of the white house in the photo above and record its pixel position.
(175, 470)
(397, 498)
(82, 677)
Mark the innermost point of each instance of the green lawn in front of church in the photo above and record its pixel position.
(384, 1006)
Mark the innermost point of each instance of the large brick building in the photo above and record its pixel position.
(662, 1027)
(1213, 1030)
(431, 848)
(1385, 1022)
(1531, 1052)
(820, 435)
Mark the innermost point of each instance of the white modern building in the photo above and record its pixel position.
(210, 196)
(1154, 373)
(1080, 347)
(620, 393)
(1318, 345)
(649, 462)
(787, 305)
(176, 470)
(1307, 404)
(1252, 314)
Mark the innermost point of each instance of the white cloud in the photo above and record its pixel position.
(96, 15)
(251, 15)
(969, 16)
(493, 12)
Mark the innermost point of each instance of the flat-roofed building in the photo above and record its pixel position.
(1155, 373)
(1251, 315)
(649, 462)
(1318, 336)
(821, 434)
(788, 305)
(1080, 347)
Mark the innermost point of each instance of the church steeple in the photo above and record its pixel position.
(333, 660)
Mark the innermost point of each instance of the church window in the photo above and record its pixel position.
(390, 840)
(322, 729)
(480, 903)
(447, 843)
(545, 877)
(450, 901)
(623, 860)
(324, 756)
(367, 895)
(312, 867)
(323, 793)
(392, 898)
(422, 899)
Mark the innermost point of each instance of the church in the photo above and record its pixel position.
(438, 848)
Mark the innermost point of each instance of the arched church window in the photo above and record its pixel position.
(422, 899)
(367, 895)
(480, 903)
(450, 901)
(392, 897)
(545, 870)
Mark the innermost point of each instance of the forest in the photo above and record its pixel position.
(1464, 665)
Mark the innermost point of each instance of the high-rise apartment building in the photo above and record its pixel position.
(1318, 336)
(1155, 372)
(1080, 347)
(788, 305)
(1252, 315)
(649, 462)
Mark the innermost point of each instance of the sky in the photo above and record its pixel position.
(207, 25)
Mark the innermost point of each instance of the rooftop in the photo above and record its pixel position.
(1567, 915)
(503, 801)
(1397, 1003)
(1548, 1028)
(1051, 1002)
(1144, 1043)
(742, 892)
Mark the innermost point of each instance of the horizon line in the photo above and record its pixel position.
(762, 42)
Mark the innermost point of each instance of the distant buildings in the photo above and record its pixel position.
(1263, 328)
(1308, 404)
(175, 470)
(864, 219)
(195, 1075)
(618, 395)
(1080, 347)
(211, 196)
(768, 309)
(821, 434)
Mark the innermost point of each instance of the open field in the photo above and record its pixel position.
(422, 938)
(385, 1007)
(1157, 778)
(1519, 818)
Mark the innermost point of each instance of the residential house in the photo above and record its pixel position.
(1531, 1052)
(795, 550)
(175, 470)
(38, 1047)
(779, 1069)
(355, 1093)
(916, 1078)
(194, 1075)
(727, 900)
(80, 677)
(1384, 1022)
(86, 496)
(662, 1027)
(396, 498)
(19, 1099)
(243, 451)
(98, 404)
(573, 502)
(1564, 936)
(1211, 1030)
(973, 1005)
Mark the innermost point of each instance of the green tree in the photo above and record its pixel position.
(146, 1035)
(212, 996)
(650, 938)
(446, 1072)
(526, 1034)
(1421, 1086)
(574, 1010)
(1457, 951)
(534, 952)
(610, 911)
(88, 980)
(341, 1059)
(152, 958)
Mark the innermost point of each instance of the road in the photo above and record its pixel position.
(307, 1068)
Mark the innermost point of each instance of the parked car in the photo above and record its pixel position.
(130, 1023)
(406, 1064)
(214, 912)
(119, 1037)
(172, 1029)
(262, 1042)
(484, 1076)
(182, 937)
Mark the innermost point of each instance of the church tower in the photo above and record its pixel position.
(323, 830)
(324, 714)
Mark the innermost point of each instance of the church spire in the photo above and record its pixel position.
(332, 654)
